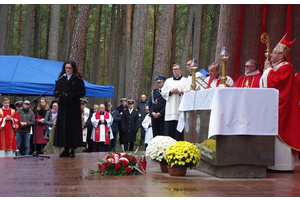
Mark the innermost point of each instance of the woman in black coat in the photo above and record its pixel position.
(68, 131)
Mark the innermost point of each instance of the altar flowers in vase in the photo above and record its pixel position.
(158, 147)
(183, 154)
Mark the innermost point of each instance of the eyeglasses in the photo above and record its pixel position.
(249, 66)
(69, 68)
(274, 52)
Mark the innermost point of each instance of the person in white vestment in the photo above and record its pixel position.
(147, 125)
(214, 78)
(198, 76)
(86, 114)
(173, 90)
(101, 134)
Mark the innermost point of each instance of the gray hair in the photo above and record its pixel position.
(217, 65)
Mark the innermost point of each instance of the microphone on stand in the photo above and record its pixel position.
(65, 74)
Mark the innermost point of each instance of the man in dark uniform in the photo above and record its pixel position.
(120, 109)
(130, 124)
(157, 107)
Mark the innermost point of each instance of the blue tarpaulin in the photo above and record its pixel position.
(23, 75)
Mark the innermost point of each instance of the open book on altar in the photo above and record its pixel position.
(68, 86)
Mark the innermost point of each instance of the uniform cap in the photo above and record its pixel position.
(160, 78)
(26, 102)
(83, 101)
(19, 103)
(130, 101)
(123, 99)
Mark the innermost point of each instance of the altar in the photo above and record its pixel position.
(234, 129)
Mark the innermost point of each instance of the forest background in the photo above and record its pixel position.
(129, 45)
(125, 46)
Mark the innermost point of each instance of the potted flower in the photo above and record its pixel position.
(180, 156)
(119, 164)
(157, 149)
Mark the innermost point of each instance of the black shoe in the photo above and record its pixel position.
(72, 154)
(64, 154)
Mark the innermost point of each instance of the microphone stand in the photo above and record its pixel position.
(35, 153)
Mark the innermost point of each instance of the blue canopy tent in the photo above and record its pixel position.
(21, 75)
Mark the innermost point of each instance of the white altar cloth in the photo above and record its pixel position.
(234, 111)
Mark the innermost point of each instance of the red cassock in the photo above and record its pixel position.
(248, 81)
(283, 79)
(7, 133)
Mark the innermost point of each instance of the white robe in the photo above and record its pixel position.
(173, 101)
(213, 84)
(102, 127)
(86, 114)
(199, 77)
(149, 132)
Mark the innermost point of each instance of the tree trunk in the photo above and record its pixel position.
(78, 33)
(117, 54)
(20, 30)
(3, 25)
(36, 32)
(121, 86)
(295, 33)
(228, 34)
(163, 43)
(96, 52)
(28, 31)
(187, 39)
(65, 35)
(174, 35)
(111, 46)
(47, 30)
(138, 45)
(11, 30)
(54, 32)
(252, 23)
(155, 20)
(212, 42)
(128, 48)
(197, 33)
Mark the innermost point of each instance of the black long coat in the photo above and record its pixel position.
(130, 124)
(157, 104)
(68, 131)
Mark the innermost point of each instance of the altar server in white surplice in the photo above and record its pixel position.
(172, 92)
(147, 125)
(101, 134)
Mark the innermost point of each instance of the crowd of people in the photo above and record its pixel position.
(69, 124)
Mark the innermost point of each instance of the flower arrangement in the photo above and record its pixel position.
(158, 147)
(208, 148)
(183, 154)
(119, 164)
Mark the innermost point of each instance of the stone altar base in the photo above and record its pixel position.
(236, 156)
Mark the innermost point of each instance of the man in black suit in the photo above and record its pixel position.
(121, 132)
(130, 125)
(157, 107)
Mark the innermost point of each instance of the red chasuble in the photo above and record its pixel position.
(7, 133)
(97, 130)
(283, 79)
(248, 81)
(210, 80)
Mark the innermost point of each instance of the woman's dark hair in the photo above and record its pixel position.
(52, 102)
(75, 69)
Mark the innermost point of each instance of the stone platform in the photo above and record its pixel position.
(236, 156)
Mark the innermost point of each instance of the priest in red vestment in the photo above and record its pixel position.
(9, 122)
(280, 75)
(214, 78)
(251, 77)
(101, 134)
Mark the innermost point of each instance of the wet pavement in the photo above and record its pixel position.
(70, 177)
